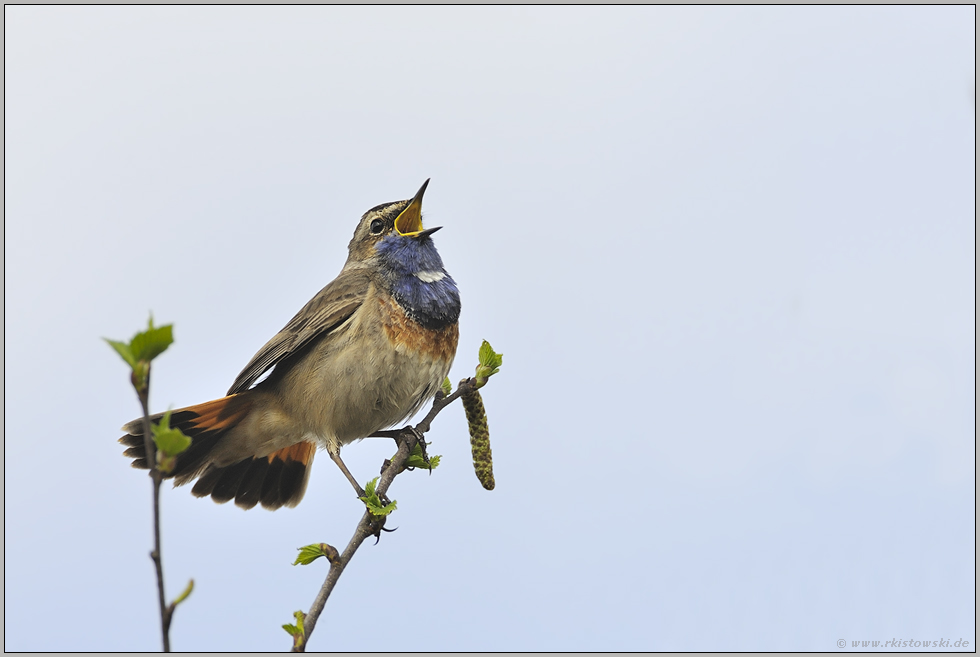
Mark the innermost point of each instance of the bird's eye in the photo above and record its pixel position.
(376, 226)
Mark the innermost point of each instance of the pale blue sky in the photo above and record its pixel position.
(728, 254)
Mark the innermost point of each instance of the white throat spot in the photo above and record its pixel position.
(430, 276)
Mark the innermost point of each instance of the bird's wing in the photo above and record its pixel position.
(330, 308)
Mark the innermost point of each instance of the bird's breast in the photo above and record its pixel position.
(410, 337)
(373, 372)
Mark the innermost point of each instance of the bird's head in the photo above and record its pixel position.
(391, 235)
(390, 241)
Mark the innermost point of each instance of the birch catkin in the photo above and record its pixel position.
(476, 418)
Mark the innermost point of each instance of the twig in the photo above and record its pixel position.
(166, 613)
(370, 524)
(138, 353)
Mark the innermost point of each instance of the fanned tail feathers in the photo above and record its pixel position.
(273, 481)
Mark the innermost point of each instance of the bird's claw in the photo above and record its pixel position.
(420, 441)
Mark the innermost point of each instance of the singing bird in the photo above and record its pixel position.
(364, 354)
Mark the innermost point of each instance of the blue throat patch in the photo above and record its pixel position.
(412, 267)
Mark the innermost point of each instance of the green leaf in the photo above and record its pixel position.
(296, 631)
(183, 596)
(123, 350)
(447, 387)
(489, 357)
(415, 459)
(373, 502)
(310, 553)
(170, 442)
(490, 362)
(385, 510)
(144, 346)
(152, 342)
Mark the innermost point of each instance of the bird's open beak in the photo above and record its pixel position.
(409, 222)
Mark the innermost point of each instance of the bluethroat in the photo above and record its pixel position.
(364, 354)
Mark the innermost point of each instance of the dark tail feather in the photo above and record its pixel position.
(205, 424)
(276, 480)
(273, 481)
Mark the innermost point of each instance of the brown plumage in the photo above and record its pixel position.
(364, 354)
(276, 480)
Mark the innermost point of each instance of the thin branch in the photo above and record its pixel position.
(166, 613)
(370, 524)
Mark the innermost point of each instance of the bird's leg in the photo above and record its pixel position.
(388, 433)
(335, 457)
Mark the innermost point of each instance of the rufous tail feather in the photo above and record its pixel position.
(273, 481)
